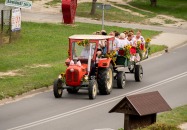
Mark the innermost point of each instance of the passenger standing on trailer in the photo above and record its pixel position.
(140, 38)
(132, 42)
(122, 41)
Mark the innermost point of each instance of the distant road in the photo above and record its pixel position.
(166, 73)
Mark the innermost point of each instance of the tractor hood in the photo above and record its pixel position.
(75, 74)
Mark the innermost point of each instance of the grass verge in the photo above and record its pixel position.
(38, 56)
(156, 48)
(176, 8)
(53, 2)
(169, 120)
(2, 1)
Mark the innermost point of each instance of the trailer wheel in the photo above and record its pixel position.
(105, 80)
(72, 90)
(121, 79)
(92, 89)
(131, 68)
(57, 88)
(138, 75)
(147, 54)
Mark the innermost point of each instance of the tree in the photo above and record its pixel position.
(153, 3)
(93, 7)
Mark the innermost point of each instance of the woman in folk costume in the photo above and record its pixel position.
(140, 39)
(132, 42)
(121, 41)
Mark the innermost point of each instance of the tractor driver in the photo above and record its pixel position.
(86, 52)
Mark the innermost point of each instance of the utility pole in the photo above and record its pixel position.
(103, 7)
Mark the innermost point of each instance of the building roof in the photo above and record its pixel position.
(90, 37)
(142, 104)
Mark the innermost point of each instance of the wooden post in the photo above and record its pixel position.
(10, 27)
(126, 122)
(2, 22)
(1, 33)
(153, 118)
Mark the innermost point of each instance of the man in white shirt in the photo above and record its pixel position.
(86, 52)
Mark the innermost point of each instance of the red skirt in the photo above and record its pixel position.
(142, 46)
(133, 50)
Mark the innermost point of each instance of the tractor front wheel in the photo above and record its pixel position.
(57, 88)
(105, 80)
(92, 89)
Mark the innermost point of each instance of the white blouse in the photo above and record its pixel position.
(122, 43)
(140, 39)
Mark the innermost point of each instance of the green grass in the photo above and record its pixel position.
(41, 43)
(2, 1)
(53, 2)
(114, 14)
(146, 14)
(175, 117)
(176, 8)
(169, 120)
(156, 48)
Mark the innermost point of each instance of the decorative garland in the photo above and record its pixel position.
(127, 51)
(83, 42)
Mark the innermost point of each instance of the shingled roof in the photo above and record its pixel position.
(142, 104)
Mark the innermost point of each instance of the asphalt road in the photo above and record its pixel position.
(166, 73)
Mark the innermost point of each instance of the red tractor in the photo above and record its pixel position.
(91, 69)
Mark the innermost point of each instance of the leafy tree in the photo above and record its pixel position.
(93, 7)
(153, 3)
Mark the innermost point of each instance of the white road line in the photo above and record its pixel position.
(39, 122)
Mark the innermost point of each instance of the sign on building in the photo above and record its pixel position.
(19, 3)
(16, 19)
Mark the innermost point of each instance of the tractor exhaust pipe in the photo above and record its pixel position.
(89, 58)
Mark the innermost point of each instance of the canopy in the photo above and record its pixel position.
(90, 37)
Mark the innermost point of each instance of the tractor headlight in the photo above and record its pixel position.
(71, 70)
(86, 77)
(60, 76)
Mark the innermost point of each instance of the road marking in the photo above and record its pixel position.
(62, 115)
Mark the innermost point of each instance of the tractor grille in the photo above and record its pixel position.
(72, 76)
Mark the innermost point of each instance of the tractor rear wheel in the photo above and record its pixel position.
(57, 88)
(138, 75)
(92, 89)
(105, 80)
(121, 79)
(72, 90)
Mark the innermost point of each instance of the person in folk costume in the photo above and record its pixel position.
(122, 41)
(131, 41)
(132, 33)
(139, 38)
(116, 41)
(121, 44)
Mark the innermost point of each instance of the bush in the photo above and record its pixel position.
(160, 126)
